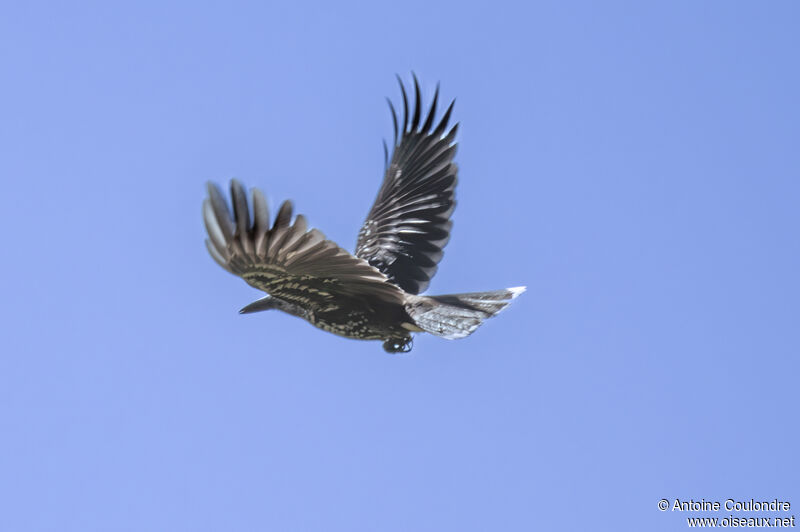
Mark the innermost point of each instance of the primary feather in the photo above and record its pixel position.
(409, 224)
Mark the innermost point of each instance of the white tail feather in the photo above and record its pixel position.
(455, 316)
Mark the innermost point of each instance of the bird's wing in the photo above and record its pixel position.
(409, 224)
(286, 260)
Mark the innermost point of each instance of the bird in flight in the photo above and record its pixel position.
(373, 294)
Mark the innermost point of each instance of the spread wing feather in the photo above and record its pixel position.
(287, 261)
(409, 224)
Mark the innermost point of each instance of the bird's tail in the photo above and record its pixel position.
(458, 315)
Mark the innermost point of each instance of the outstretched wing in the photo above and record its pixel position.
(287, 261)
(409, 224)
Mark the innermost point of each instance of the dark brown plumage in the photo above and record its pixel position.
(409, 224)
(372, 295)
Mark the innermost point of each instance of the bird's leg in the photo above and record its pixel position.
(398, 345)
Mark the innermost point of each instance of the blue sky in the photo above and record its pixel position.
(635, 165)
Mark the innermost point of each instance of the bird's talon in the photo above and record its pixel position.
(398, 345)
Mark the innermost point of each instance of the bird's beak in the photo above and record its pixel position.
(265, 303)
